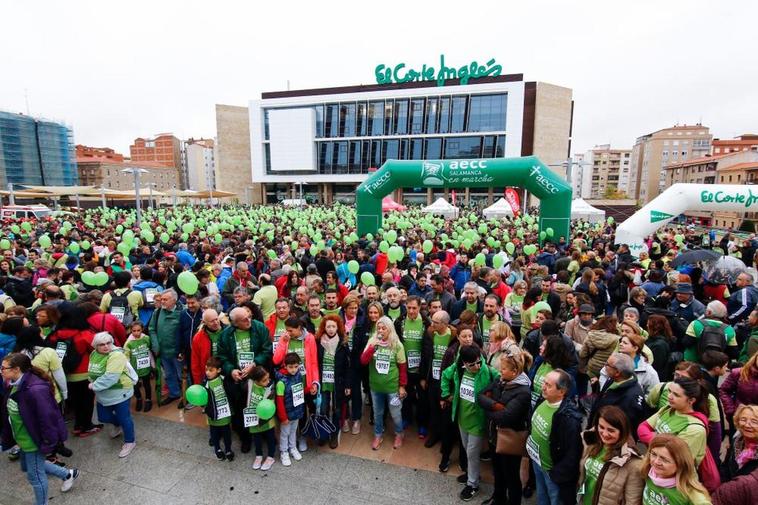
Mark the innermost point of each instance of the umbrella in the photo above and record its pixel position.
(725, 270)
(318, 426)
(695, 255)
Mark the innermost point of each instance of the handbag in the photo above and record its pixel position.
(512, 442)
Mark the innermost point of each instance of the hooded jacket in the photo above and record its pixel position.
(599, 345)
(451, 377)
(735, 392)
(82, 340)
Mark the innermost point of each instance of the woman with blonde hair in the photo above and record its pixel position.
(388, 375)
(501, 339)
(669, 473)
(742, 457)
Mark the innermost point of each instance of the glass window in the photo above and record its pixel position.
(463, 147)
(403, 155)
(347, 120)
(433, 149)
(361, 122)
(500, 148)
(488, 147)
(376, 154)
(416, 149)
(265, 125)
(319, 109)
(431, 115)
(443, 125)
(458, 116)
(388, 117)
(340, 157)
(325, 158)
(365, 155)
(355, 157)
(390, 150)
(267, 156)
(331, 123)
(417, 116)
(376, 118)
(401, 117)
(487, 113)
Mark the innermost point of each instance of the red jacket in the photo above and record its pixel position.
(107, 322)
(199, 355)
(382, 260)
(82, 340)
(311, 358)
(271, 325)
(283, 288)
(501, 290)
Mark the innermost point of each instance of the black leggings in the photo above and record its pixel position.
(81, 399)
(219, 432)
(143, 383)
(506, 469)
(267, 435)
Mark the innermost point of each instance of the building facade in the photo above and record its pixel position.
(198, 164)
(326, 141)
(84, 153)
(36, 151)
(653, 152)
(605, 171)
(746, 142)
(164, 149)
(106, 173)
(233, 168)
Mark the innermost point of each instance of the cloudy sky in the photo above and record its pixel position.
(116, 72)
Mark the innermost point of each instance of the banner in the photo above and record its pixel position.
(511, 196)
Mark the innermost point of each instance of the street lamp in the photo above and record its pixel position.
(301, 183)
(136, 172)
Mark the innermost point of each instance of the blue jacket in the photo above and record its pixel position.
(188, 325)
(741, 303)
(547, 259)
(185, 258)
(7, 343)
(460, 274)
(416, 291)
(226, 272)
(293, 413)
(344, 275)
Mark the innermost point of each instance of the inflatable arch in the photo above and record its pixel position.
(678, 199)
(527, 172)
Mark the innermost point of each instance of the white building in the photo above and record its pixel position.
(198, 164)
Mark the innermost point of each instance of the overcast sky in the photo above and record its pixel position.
(115, 73)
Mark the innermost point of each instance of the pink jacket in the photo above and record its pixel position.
(735, 392)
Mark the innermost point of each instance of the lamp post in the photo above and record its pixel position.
(102, 197)
(136, 172)
(11, 196)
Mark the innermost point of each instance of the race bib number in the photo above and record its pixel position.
(275, 343)
(143, 360)
(150, 294)
(467, 389)
(223, 411)
(328, 376)
(298, 395)
(382, 365)
(533, 450)
(436, 366)
(414, 359)
(246, 359)
(250, 418)
(60, 349)
(118, 313)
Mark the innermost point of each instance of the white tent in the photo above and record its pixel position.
(583, 210)
(498, 210)
(443, 208)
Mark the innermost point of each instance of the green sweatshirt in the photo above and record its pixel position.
(472, 418)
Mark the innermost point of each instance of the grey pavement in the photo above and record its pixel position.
(173, 465)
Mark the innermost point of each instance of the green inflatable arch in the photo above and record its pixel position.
(527, 172)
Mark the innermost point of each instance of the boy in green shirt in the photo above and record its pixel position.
(218, 409)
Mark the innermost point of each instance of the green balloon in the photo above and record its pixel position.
(86, 245)
(101, 279)
(218, 238)
(74, 247)
(542, 235)
(5, 244)
(188, 227)
(498, 261)
(15, 229)
(185, 237)
(369, 237)
(429, 245)
(272, 254)
(164, 237)
(480, 259)
(265, 409)
(187, 282)
(123, 248)
(27, 226)
(391, 236)
(510, 248)
(88, 278)
(384, 246)
(197, 395)
(353, 267)
(550, 232)
(293, 246)
(467, 243)
(367, 278)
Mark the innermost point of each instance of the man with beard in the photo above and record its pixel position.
(312, 320)
(276, 323)
(331, 307)
(491, 315)
(394, 307)
(411, 328)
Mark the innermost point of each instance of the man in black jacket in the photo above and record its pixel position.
(621, 390)
(411, 328)
(469, 301)
(554, 444)
(19, 286)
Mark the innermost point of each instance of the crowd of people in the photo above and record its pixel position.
(584, 374)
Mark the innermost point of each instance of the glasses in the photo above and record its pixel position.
(608, 365)
(751, 421)
(7, 367)
(471, 365)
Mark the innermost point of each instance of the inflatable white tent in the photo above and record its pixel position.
(583, 210)
(498, 210)
(443, 208)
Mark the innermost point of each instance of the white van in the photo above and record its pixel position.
(23, 211)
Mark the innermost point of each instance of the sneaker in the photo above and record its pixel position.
(188, 406)
(485, 456)
(398, 441)
(92, 431)
(377, 442)
(127, 449)
(116, 432)
(73, 474)
(444, 465)
(462, 478)
(356, 427)
(229, 455)
(268, 464)
(422, 432)
(220, 455)
(285, 457)
(302, 445)
(296, 454)
(334, 440)
(257, 462)
(64, 451)
(14, 454)
(469, 492)
(346, 426)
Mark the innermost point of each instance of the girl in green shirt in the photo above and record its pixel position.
(262, 429)
(670, 476)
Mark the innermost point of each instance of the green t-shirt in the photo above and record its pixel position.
(592, 469)
(214, 337)
(472, 307)
(223, 408)
(383, 373)
(20, 433)
(394, 313)
(250, 414)
(539, 378)
(296, 345)
(280, 330)
(332, 312)
(113, 362)
(656, 495)
(696, 328)
(316, 322)
(486, 324)
(413, 335)
(660, 392)
(468, 410)
(440, 343)
(538, 443)
(327, 372)
(687, 427)
(245, 354)
(138, 352)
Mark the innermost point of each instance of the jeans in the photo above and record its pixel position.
(473, 445)
(172, 371)
(395, 411)
(356, 399)
(221, 432)
(267, 435)
(37, 467)
(288, 436)
(118, 415)
(548, 492)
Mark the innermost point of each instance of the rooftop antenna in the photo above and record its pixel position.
(26, 99)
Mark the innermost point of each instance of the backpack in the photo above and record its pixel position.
(148, 297)
(708, 470)
(120, 308)
(712, 338)
(68, 355)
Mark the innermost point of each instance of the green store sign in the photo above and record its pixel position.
(400, 74)
(724, 197)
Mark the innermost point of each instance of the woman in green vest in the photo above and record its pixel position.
(111, 378)
(669, 472)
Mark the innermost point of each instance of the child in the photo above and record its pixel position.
(218, 410)
(259, 390)
(290, 407)
(137, 351)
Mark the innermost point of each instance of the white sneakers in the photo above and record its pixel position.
(295, 454)
(73, 474)
(302, 445)
(257, 462)
(268, 464)
(127, 449)
(285, 457)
